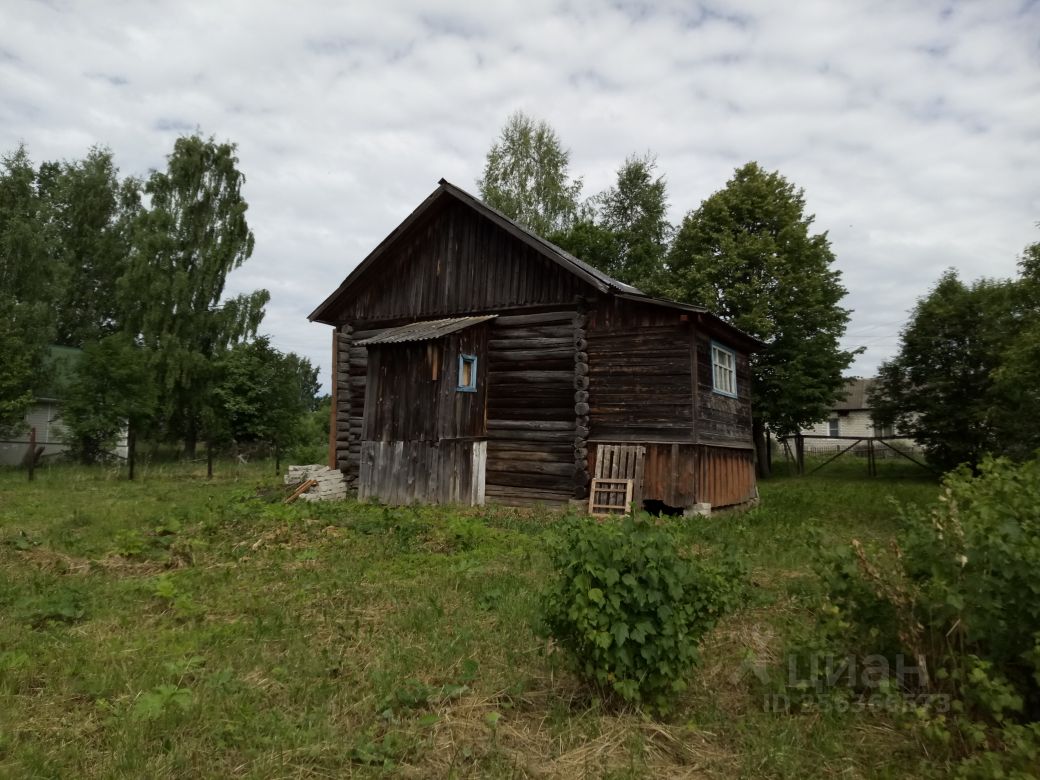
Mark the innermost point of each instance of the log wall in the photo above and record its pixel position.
(531, 408)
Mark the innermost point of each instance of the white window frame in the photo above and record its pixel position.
(723, 372)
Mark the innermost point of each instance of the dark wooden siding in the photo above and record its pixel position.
(725, 476)
(640, 383)
(530, 457)
(721, 419)
(414, 392)
(454, 261)
(640, 373)
(682, 475)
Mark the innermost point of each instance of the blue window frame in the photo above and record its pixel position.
(467, 374)
(723, 370)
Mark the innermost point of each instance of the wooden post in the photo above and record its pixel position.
(131, 450)
(871, 464)
(32, 452)
(335, 395)
(799, 453)
(209, 460)
(277, 459)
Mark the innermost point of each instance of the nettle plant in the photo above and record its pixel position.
(628, 611)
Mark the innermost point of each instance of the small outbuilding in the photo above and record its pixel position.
(474, 361)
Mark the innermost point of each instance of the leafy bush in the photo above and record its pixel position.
(959, 593)
(628, 610)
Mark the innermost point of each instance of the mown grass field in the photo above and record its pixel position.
(175, 627)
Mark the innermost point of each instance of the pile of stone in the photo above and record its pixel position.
(331, 484)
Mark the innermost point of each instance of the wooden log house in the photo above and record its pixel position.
(476, 362)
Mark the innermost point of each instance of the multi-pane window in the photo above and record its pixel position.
(723, 370)
(832, 424)
(468, 373)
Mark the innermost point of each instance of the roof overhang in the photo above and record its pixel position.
(426, 330)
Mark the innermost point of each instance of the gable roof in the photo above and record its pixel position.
(592, 276)
(857, 392)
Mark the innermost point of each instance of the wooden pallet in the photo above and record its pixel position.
(610, 497)
(617, 464)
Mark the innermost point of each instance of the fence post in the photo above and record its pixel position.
(32, 452)
(131, 449)
(799, 453)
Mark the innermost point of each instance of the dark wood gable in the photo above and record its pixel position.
(454, 261)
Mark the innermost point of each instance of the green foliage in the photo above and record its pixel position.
(960, 595)
(61, 605)
(111, 389)
(154, 704)
(626, 232)
(525, 177)
(91, 213)
(192, 235)
(628, 610)
(263, 394)
(748, 254)
(31, 284)
(965, 381)
(939, 388)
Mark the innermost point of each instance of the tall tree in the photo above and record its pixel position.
(91, 212)
(30, 285)
(939, 388)
(624, 230)
(191, 235)
(635, 212)
(748, 254)
(526, 178)
(1017, 380)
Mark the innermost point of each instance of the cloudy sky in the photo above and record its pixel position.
(914, 128)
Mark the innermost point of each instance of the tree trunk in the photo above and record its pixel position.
(763, 466)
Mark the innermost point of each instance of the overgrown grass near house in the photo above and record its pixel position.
(176, 627)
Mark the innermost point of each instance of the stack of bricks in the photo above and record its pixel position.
(331, 484)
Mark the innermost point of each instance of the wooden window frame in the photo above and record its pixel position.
(470, 360)
(716, 386)
(834, 426)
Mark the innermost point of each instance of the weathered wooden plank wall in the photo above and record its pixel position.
(428, 472)
(725, 475)
(682, 475)
(454, 261)
(531, 416)
(720, 419)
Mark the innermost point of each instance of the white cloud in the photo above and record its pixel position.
(912, 127)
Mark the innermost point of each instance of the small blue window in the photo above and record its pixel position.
(467, 373)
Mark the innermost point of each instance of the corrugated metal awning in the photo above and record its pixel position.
(424, 331)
